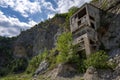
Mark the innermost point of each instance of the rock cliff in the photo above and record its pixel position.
(43, 36)
(110, 23)
(38, 38)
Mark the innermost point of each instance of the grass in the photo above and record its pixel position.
(22, 76)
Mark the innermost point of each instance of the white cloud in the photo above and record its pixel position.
(50, 15)
(10, 26)
(64, 5)
(25, 7)
(47, 5)
(32, 23)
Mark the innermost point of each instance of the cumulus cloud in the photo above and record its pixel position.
(25, 7)
(10, 26)
(50, 15)
(47, 5)
(64, 5)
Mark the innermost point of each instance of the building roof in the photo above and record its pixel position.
(83, 6)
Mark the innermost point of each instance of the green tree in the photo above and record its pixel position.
(71, 11)
(97, 60)
(35, 61)
(64, 46)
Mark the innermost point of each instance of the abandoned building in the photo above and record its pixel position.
(83, 25)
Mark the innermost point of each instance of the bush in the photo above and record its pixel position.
(64, 46)
(67, 52)
(52, 58)
(72, 10)
(35, 61)
(3, 72)
(18, 65)
(14, 66)
(64, 15)
(94, 0)
(97, 60)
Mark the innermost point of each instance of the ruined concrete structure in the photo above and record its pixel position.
(84, 24)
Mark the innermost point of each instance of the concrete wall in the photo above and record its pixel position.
(90, 11)
(95, 13)
(84, 33)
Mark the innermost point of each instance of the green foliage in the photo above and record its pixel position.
(97, 60)
(64, 15)
(6, 55)
(14, 66)
(67, 16)
(35, 61)
(71, 11)
(64, 42)
(18, 65)
(3, 72)
(67, 52)
(52, 58)
(104, 4)
(17, 77)
(77, 59)
(64, 46)
(95, 0)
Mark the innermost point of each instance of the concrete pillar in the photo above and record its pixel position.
(87, 45)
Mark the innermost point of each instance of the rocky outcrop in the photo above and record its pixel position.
(42, 68)
(110, 23)
(38, 38)
(62, 70)
(91, 74)
(106, 74)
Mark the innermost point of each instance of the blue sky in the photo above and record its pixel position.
(17, 15)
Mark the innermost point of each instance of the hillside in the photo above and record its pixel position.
(45, 52)
(35, 40)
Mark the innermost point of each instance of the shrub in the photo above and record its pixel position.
(64, 46)
(97, 60)
(94, 0)
(3, 72)
(35, 61)
(72, 10)
(18, 65)
(64, 15)
(52, 58)
(67, 52)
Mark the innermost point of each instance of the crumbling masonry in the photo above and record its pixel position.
(84, 24)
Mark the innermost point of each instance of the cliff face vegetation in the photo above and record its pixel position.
(47, 49)
(17, 51)
(35, 40)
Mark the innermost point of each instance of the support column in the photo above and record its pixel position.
(87, 45)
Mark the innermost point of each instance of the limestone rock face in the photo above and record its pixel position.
(42, 67)
(106, 74)
(62, 70)
(110, 23)
(38, 38)
(91, 74)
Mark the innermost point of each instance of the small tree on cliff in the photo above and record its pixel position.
(64, 46)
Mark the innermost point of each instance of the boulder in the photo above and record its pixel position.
(62, 70)
(42, 68)
(91, 74)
